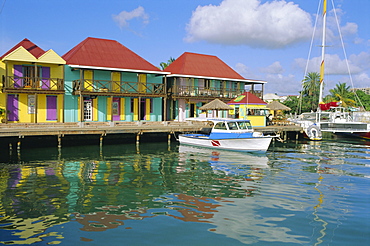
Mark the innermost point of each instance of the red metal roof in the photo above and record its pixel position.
(29, 46)
(247, 98)
(199, 65)
(106, 53)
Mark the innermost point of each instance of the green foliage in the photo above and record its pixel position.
(311, 91)
(166, 64)
(2, 111)
(310, 96)
(293, 103)
(364, 99)
(341, 93)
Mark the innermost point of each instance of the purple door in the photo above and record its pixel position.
(18, 74)
(51, 105)
(116, 109)
(12, 107)
(45, 78)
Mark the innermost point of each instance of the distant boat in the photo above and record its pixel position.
(229, 134)
(337, 120)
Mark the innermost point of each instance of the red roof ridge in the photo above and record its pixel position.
(99, 52)
(35, 50)
(202, 65)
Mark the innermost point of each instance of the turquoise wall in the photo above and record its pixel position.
(102, 109)
(70, 101)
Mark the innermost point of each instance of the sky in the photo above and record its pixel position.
(260, 39)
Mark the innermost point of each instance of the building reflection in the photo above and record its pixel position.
(103, 193)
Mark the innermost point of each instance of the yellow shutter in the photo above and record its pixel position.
(116, 78)
(88, 80)
(142, 83)
(79, 109)
(122, 113)
(136, 109)
(95, 109)
(109, 109)
(147, 113)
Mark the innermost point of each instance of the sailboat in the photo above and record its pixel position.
(337, 120)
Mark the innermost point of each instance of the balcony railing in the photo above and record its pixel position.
(193, 91)
(117, 87)
(33, 83)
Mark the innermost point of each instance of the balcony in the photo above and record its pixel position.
(32, 84)
(117, 88)
(193, 91)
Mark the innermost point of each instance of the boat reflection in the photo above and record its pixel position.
(226, 162)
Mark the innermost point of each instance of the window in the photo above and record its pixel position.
(132, 105)
(220, 126)
(232, 126)
(244, 125)
(29, 74)
(207, 84)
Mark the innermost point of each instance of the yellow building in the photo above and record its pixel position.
(248, 106)
(32, 84)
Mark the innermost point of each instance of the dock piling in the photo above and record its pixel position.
(137, 138)
(59, 141)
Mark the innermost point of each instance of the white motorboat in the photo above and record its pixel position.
(229, 134)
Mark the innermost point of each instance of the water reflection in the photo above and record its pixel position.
(102, 190)
(290, 196)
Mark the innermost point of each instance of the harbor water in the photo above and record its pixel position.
(298, 193)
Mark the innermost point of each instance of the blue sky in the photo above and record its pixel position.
(263, 40)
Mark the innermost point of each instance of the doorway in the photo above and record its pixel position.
(12, 107)
(116, 109)
(192, 112)
(88, 110)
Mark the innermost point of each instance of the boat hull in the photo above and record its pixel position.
(253, 144)
(364, 135)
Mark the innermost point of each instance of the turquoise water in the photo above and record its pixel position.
(298, 193)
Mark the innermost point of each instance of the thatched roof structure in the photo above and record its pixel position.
(216, 104)
(275, 105)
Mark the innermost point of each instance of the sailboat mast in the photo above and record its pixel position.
(323, 52)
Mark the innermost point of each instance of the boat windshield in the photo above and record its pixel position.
(245, 125)
(239, 125)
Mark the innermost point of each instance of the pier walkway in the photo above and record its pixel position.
(102, 129)
(92, 128)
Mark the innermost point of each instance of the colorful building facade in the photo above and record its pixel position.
(32, 84)
(105, 81)
(250, 107)
(196, 79)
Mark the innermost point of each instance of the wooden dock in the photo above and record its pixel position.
(102, 129)
(96, 128)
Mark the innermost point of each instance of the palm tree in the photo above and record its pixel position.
(311, 89)
(342, 93)
(166, 64)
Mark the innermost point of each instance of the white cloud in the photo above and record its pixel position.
(282, 85)
(361, 80)
(334, 65)
(274, 68)
(277, 82)
(270, 25)
(361, 60)
(334, 20)
(245, 71)
(123, 17)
